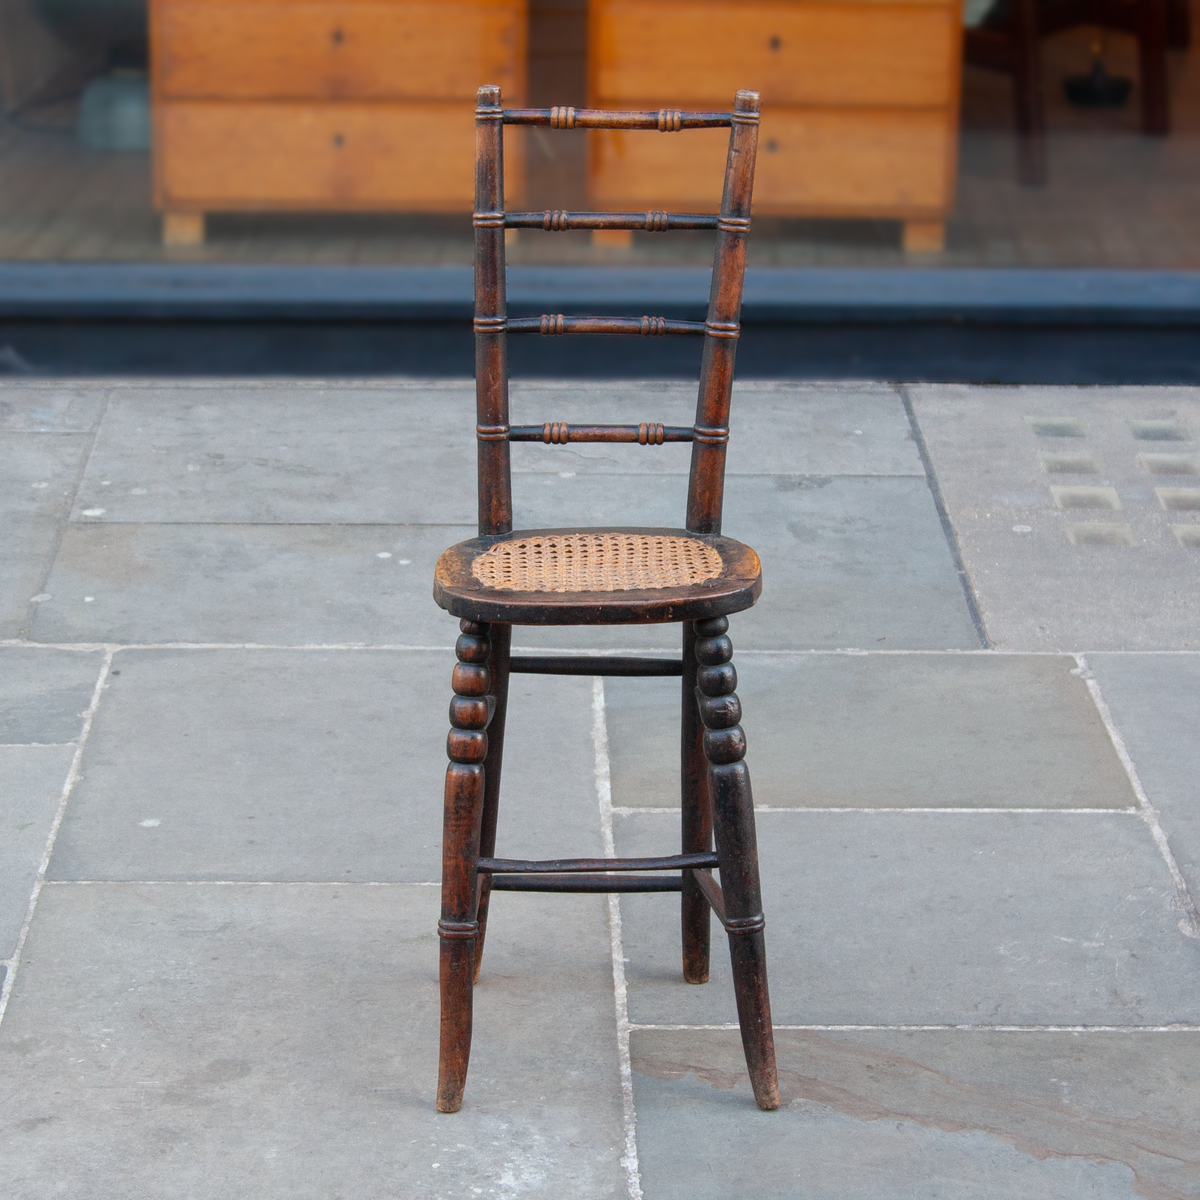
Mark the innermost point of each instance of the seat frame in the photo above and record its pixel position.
(717, 804)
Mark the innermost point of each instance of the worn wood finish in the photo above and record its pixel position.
(737, 587)
(556, 324)
(594, 664)
(467, 748)
(737, 849)
(329, 105)
(861, 102)
(560, 433)
(557, 221)
(665, 120)
(700, 581)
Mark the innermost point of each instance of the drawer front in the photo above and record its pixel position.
(695, 52)
(218, 49)
(343, 156)
(810, 163)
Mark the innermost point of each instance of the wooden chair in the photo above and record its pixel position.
(604, 577)
(1012, 45)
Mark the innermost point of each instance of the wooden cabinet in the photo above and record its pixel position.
(860, 104)
(333, 105)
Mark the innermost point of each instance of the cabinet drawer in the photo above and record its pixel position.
(697, 52)
(292, 49)
(811, 162)
(346, 156)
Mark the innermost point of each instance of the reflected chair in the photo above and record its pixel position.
(1008, 40)
(607, 576)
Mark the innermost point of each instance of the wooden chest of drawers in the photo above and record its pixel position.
(860, 104)
(334, 105)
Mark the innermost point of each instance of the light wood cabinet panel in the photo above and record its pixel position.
(328, 105)
(284, 49)
(837, 54)
(860, 104)
(818, 162)
(345, 156)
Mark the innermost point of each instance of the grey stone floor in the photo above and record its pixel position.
(972, 694)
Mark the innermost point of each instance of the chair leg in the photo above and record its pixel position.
(501, 640)
(1152, 66)
(697, 819)
(467, 748)
(737, 851)
(1029, 110)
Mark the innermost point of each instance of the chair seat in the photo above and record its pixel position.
(597, 576)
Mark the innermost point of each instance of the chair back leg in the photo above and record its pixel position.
(1152, 65)
(1028, 104)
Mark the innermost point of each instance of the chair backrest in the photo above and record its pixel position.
(710, 433)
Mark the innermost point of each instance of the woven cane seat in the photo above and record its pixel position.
(573, 576)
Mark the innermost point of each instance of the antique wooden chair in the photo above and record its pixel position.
(599, 577)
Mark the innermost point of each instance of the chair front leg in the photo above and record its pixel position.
(467, 747)
(737, 851)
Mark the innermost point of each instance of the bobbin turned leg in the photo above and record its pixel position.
(501, 641)
(467, 747)
(697, 819)
(737, 851)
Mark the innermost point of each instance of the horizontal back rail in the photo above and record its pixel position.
(559, 433)
(665, 120)
(556, 325)
(557, 221)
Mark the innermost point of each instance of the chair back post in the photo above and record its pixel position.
(491, 339)
(706, 486)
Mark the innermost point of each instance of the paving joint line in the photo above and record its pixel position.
(947, 1028)
(943, 513)
(1189, 923)
(73, 776)
(629, 810)
(629, 1160)
(379, 883)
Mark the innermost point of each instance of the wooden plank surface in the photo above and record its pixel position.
(338, 49)
(866, 54)
(811, 162)
(332, 156)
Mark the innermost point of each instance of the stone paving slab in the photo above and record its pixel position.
(847, 562)
(280, 1041)
(293, 453)
(31, 785)
(60, 406)
(308, 765)
(887, 731)
(274, 584)
(777, 428)
(37, 481)
(1153, 698)
(954, 1114)
(44, 693)
(916, 918)
(998, 453)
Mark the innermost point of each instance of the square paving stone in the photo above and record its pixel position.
(954, 1115)
(31, 784)
(289, 584)
(1069, 579)
(1155, 702)
(37, 481)
(887, 731)
(776, 428)
(58, 406)
(309, 765)
(391, 453)
(943, 918)
(847, 561)
(44, 693)
(281, 1041)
